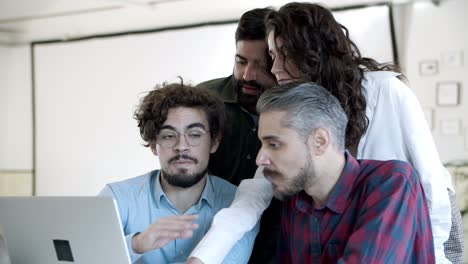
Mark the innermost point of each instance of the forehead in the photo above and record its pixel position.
(271, 125)
(251, 49)
(181, 117)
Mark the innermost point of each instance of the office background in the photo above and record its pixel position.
(70, 77)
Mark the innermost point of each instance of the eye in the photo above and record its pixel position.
(240, 61)
(195, 134)
(168, 136)
(274, 145)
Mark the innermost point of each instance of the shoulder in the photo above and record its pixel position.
(382, 86)
(217, 85)
(388, 174)
(373, 78)
(223, 188)
(132, 186)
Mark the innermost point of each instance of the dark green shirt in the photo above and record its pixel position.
(235, 160)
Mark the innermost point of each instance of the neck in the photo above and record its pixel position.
(326, 177)
(183, 198)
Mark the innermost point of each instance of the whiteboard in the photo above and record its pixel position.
(86, 92)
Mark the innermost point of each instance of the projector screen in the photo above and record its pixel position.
(86, 92)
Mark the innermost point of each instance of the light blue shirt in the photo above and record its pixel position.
(142, 201)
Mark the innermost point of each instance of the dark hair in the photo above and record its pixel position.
(251, 25)
(308, 106)
(154, 107)
(321, 49)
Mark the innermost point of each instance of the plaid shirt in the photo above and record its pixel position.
(376, 213)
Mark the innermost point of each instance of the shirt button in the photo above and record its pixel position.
(248, 156)
(316, 220)
(254, 129)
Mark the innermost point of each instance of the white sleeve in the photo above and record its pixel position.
(425, 159)
(230, 224)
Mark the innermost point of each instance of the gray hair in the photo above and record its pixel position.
(308, 106)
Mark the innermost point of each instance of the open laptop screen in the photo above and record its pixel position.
(62, 230)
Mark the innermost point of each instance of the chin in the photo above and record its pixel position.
(280, 196)
(283, 194)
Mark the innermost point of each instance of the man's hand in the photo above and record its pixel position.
(193, 260)
(164, 230)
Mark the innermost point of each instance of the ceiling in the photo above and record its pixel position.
(25, 21)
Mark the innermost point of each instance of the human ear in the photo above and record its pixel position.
(215, 142)
(319, 140)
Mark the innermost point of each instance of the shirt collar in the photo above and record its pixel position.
(158, 192)
(207, 194)
(228, 94)
(339, 196)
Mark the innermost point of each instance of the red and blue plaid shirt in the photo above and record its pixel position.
(376, 213)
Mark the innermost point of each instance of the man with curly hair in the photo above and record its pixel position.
(166, 212)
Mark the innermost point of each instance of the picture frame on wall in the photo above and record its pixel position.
(448, 93)
(428, 67)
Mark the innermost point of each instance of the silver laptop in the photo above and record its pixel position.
(50, 230)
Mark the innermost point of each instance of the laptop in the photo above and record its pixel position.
(83, 230)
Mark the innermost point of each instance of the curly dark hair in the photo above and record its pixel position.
(153, 109)
(321, 49)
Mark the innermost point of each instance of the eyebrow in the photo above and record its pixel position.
(241, 57)
(270, 137)
(200, 125)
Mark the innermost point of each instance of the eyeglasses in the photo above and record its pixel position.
(169, 138)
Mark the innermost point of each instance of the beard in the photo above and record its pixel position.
(292, 185)
(181, 178)
(248, 101)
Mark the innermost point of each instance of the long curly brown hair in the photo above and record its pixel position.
(323, 52)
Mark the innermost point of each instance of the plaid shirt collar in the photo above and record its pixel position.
(338, 198)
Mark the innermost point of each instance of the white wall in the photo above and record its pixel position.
(15, 109)
(424, 32)
(428, 32)
(15, 121)
(86, 93)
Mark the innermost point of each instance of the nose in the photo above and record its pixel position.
(276, 67)
(262, 158)
(250, 73)
(182, 144)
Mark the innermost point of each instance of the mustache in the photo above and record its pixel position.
(250, 83)
(270, 173)
(182, 156)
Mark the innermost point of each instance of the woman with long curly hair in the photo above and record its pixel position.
(386, 121)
